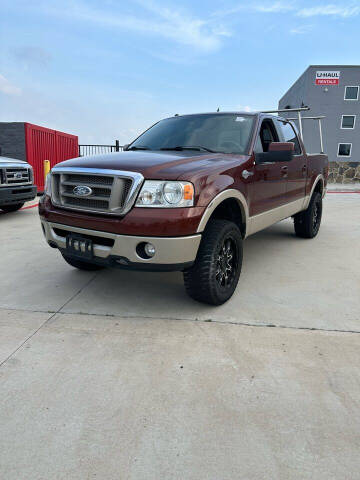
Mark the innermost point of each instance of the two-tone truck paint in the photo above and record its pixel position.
(183, 196)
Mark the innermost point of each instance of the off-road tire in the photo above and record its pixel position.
(307, 223)
(11, 208)
(81, 264)
(204, 280)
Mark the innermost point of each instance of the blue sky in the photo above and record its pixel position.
(106, 70)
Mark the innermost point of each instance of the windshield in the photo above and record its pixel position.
(225, 133)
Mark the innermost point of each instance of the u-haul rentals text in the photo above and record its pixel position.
(327, 78)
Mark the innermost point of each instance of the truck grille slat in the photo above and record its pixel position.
(85, 179)
(87, 203)
(92, 197)
(89, 184)
(97, 192)
(109, 193)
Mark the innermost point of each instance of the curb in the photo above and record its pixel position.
(30, 206)
(347, 191)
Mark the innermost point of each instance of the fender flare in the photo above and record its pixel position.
(319, 178)
(215, 202)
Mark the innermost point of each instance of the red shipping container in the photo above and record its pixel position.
(46, 144)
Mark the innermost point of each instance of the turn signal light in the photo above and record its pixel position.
(188, 192)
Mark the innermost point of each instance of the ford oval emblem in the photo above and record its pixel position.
(18, 175)
(82, 191)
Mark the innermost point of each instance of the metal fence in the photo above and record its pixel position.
(99, 149)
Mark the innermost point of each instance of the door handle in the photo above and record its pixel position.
(284, 171)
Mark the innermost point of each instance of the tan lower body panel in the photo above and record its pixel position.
(265, 219)
(169, 250)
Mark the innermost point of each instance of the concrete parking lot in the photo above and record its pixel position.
(119, 375)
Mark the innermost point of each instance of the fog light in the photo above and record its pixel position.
(149, 249)
(145, 250)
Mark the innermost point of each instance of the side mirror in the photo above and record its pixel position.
(281, 147)
(125, 146)
(278, 152)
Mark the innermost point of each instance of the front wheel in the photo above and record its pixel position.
(216, 271)
(307, 223)
(12, 208)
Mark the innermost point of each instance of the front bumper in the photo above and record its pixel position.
(13, 195)
(110, 249)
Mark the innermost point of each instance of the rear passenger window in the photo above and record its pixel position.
(289, 135)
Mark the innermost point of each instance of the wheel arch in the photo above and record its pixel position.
(228, 205)
(318, 186)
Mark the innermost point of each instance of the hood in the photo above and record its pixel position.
(11, 160)
(159, 165)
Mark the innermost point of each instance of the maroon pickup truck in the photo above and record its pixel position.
(183, 196)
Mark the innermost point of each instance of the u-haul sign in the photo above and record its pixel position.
(327, 78)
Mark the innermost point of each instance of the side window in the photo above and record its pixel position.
(289, 135)
(268, 134)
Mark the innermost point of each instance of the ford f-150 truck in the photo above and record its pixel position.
(16, 184)
(183, 196)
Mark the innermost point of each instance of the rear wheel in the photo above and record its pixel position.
(81, 264)
(215, 274)
(12, 208)
(307, 223)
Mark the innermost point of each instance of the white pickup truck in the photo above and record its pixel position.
(16, 184)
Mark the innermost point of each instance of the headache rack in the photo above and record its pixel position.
(300, 119)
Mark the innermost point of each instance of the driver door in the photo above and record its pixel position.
(267, 189)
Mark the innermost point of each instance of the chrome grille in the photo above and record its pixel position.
(17, 176)
(112, 191)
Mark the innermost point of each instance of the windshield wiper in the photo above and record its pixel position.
(138, 148)
(187, 147)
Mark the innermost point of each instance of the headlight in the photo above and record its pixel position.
(163, 194)
(47, 189)
(31, 173)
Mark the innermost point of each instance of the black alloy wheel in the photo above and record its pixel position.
(226, 263)
(215, 274)
(307, 223)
